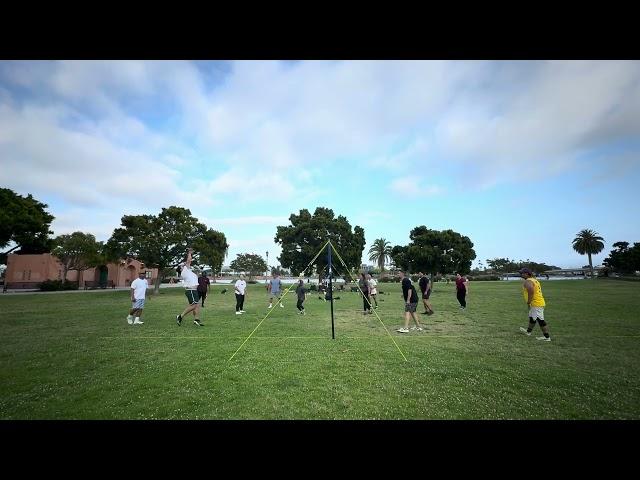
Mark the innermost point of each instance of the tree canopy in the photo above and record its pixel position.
(250, 263)
(433, 251)
(307, 233)
(25, 222)
(161, 241)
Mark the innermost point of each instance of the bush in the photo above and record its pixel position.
(388, 279)
(252, 282)
(482, 278)
(56, 285)
(313, 287)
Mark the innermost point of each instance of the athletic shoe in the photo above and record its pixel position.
(197, 322)
(524, 330)
(403, 330)
(242, 311)
(270, 306)
(129, 319)
(238, 313)
(544, 339)
(419, 329)
(425, 313)
(138, 322)
(281, 306)
(304, 312)
(430, 312)
(178, 320)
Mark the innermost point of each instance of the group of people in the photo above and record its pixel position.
(196, 289)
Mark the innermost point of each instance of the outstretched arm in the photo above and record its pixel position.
(188, 260)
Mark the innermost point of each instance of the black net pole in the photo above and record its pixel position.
(333, 335)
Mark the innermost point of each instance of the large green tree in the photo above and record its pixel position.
(213, 249)
(588, 242)
(307, 233)
(380, 252)
(250, 263)
(161, 241)
(23, 221)
(76, 251)
(434, 251)
(624, 259)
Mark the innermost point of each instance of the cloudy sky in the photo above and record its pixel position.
(517, 155)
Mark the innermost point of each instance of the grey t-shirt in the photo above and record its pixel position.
(275, 286)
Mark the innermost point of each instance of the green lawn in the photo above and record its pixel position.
(73, 356)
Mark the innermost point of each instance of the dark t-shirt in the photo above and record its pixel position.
(406, 287)
(364, 286)
(202, 283)
(300, 291)
(423, 282)
(460, 284)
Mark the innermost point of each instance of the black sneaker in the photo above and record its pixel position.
(179, 320)
(197, 322)
(425, 313)
(430, 313)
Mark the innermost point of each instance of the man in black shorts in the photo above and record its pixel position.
(410, 297)
(425, 288)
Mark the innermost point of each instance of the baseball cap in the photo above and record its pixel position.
(525, 270)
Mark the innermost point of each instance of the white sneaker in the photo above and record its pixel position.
(238, 313)
(524, 330)
(242, 311)
(304, 312)
(270, 306)
(138, 322)
(129, 319)
(403, 330)
(281, 305)
(544, 339)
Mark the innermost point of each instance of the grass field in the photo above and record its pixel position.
(73, 356)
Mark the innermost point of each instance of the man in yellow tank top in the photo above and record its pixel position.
(532, 293)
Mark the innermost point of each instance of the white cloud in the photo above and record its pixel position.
(410, 186)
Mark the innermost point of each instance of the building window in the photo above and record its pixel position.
(24, 274)
(148, 274)
(29, 275)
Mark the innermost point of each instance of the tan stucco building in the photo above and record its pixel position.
(38, 268)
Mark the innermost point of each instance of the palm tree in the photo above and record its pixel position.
(588, 242)
(380, 252)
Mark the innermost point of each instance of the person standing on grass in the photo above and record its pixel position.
(203, 287)
(190, 280)
(425, 287)
(364, 288)
(301, 292)
(532, 292)
(462, 289)
(138, 293)
(240, 289)
(274, 290)
(410, 297)
(373, 288)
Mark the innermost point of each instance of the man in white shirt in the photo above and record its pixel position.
(240, 288)
(190, 281)
(138, 294)
(373, 288)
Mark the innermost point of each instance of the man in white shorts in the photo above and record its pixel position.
(138, 294)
